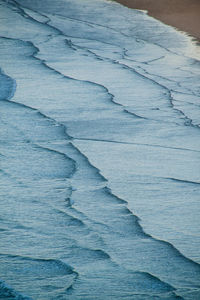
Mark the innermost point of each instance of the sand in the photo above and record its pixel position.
(182, 14)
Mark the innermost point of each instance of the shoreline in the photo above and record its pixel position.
(184, 15)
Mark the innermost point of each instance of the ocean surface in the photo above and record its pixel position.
(100, 154)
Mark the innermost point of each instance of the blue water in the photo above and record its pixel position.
(100, 154)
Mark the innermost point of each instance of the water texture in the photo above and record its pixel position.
(100, 154)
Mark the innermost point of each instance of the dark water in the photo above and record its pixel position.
(100, 151)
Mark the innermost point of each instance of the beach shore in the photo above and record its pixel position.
(182, 14)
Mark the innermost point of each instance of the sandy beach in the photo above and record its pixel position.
(182, 14)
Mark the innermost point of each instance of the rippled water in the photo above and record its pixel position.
(100, 152)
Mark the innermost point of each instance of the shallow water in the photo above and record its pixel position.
(100, 152)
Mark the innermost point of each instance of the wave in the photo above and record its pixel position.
(8, 293)
(153, 282)
(132, 143)
(85, 158)
(184, 181)
(70, 220)
(36, 51)
(70, 164)
(7, 87)
(48, 266)
(110, 95)
(88, 225)
(127, 212)
(168, 92)
(188, 121)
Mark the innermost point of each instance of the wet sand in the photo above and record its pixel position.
(182, 14)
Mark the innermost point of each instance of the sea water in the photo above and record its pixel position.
(100, 154)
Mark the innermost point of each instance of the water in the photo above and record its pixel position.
(100, 149)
